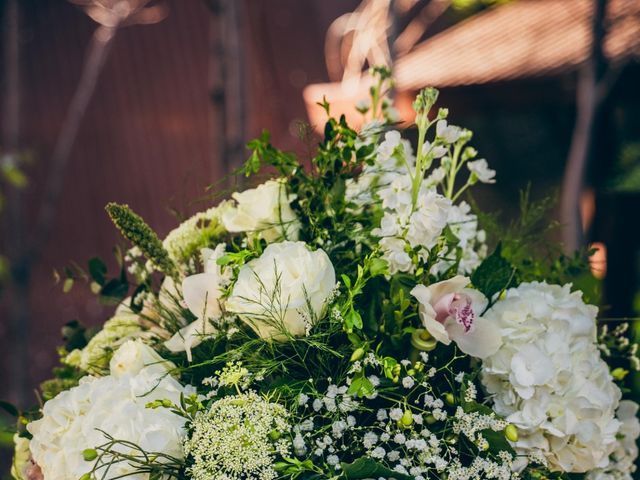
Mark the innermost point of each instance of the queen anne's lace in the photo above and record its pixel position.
(238, 438)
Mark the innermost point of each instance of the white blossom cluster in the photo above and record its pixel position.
(78, 419)
(406, 439)
(394, 158)
(622, 465)
(548, 379)
(471, 241)
(184, 242)
(239, 437)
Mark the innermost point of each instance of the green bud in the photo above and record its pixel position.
(469, 153)
(422, 340)
(90, 454)
(449, 398)
(396, 370)
(425, 100)
(619, 373)
(167, 403)
(443, 113)
(357, 354)
(431, 419)
(411, 372)
(451, 439)
(407, 418)
(511, 432)
(86, 476)
(274, 435)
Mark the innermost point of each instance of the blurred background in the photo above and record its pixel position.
(149, 103)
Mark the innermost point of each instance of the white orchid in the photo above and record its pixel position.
(201, 293)
(451, 312)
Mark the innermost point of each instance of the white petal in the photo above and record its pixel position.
(189, 337)
(201, 294)
(484, 340)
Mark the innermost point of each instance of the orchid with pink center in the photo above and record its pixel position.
(201, 294)
(451, 312)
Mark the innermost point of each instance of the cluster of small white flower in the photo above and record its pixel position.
(471, 241)
(549, 379)
(394, 158)
(195, 233)
(239, 437)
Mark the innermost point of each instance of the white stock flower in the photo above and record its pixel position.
(202, 296)
(407, 226)
(480, 168)
(548, 378)
(75, 419)
(283, 290)
(133, 356)
(264, 211)
(451, 312)
(392, 159)
(448, 133)
(464, 225)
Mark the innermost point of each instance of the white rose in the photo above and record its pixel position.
(134, 355)
(449, 311)
(284, 290)
(264, 211)
(202, 296)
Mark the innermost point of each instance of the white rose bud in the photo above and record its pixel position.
(134, 355)
(264, 211)
(284, 290)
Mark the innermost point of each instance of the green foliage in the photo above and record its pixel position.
(526, 243)
(368, 468)
(134, 229)
(495, 274)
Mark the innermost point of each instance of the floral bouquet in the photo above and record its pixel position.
(347, 321)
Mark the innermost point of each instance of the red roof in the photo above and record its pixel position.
(523, 39)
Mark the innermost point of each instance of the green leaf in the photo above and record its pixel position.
(368, 468)
(494, 274)
(361, 386)
(9, 408)
(114, 290)
(97, 270)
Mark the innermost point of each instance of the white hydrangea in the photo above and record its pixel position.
(74, 421)
(548, 378)
(623, 459)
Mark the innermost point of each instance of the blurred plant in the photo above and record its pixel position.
(110, 15)
(627, 178)
(469, 6)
